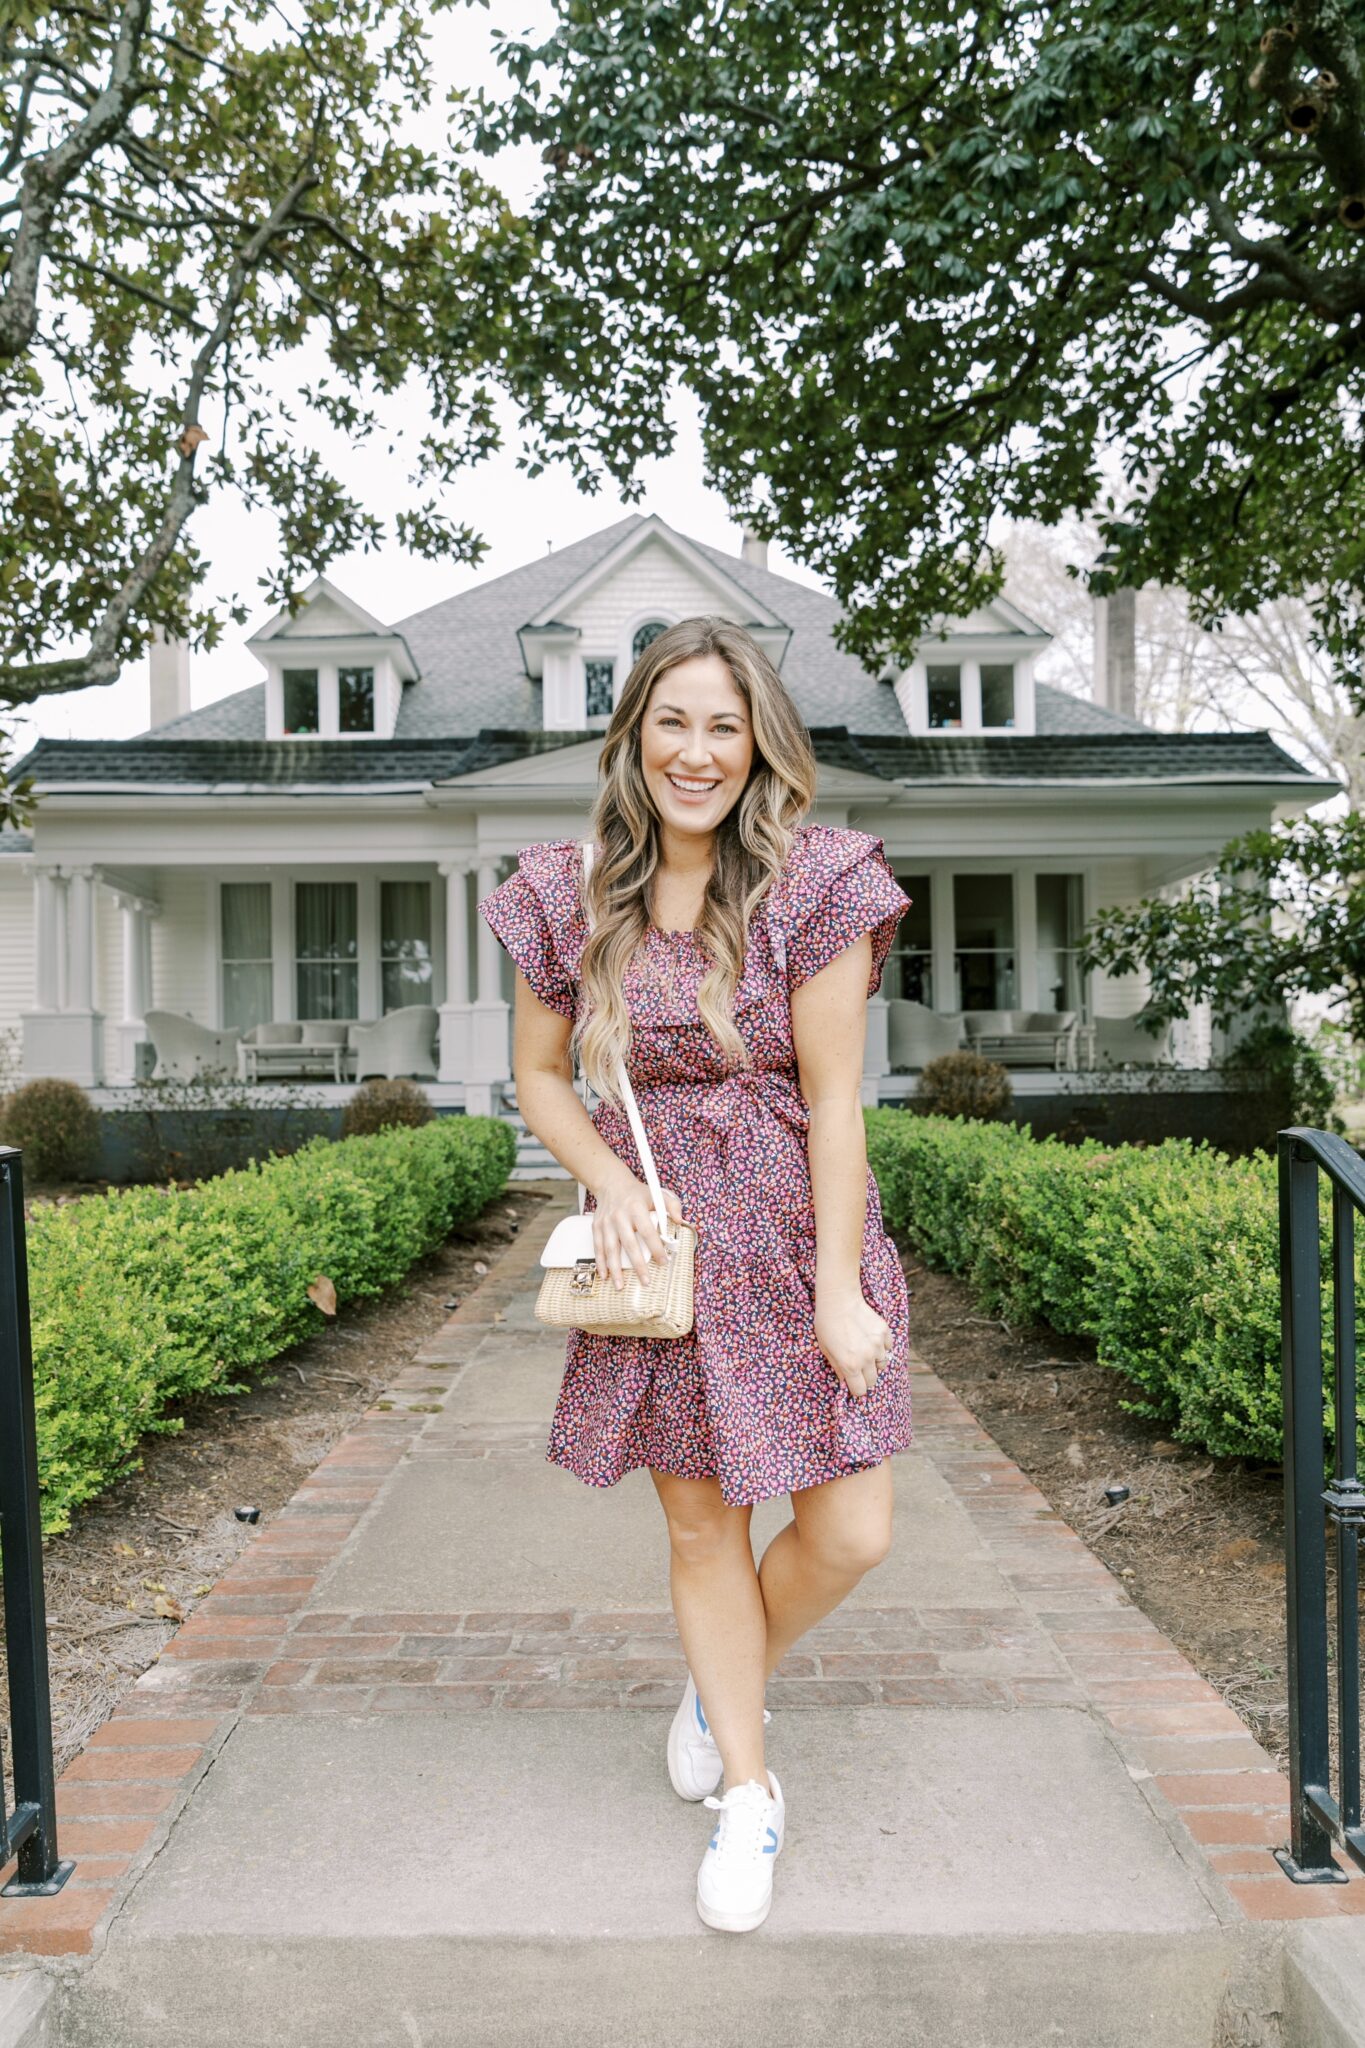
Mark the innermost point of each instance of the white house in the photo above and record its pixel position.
(313, 846)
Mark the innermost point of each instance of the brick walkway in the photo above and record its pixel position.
(271, 1640)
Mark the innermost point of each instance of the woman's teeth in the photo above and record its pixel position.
(692, 788)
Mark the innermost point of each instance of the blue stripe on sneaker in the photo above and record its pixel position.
(770, 1847)
(701, 1718)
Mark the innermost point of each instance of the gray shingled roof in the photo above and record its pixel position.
(472, 675)
(1206, 757)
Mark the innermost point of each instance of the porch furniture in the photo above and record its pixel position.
(1122, 1042)
(917, 1034)
(186, 1051)
(404, 1042)
(308, 1046)
(1024, 1038)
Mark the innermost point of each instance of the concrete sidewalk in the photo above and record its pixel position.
(400, 1778)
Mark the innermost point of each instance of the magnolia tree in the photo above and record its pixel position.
(1282, 915)
(923, 265)
(187, 196)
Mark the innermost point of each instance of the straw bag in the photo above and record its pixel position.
(573, 1297)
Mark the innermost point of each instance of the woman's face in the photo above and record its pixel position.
(696, 744)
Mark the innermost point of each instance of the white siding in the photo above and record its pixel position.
(653, 581)
(180, 944)
(1118, 882)
(16, 960)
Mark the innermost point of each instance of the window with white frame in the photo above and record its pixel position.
(945, 696)
(326, 950)
(1060, 916)
(983, 942)
(645, 635)
(910, 966)
(405, 963)
(599, 682)
(302, 711)
(997, 693)
(247, 990)
(355, 699)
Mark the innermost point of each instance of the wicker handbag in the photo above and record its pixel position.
(573, 1297)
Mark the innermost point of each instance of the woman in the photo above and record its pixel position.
(733, 950)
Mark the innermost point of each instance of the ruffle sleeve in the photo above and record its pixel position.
(536, 914)
(841, 886)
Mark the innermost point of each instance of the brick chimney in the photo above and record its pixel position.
(170, 675)
(1115, 678)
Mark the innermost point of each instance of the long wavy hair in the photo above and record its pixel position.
(751, 844)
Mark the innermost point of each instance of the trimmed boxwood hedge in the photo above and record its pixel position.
(145, 1295)
(1165, 1256)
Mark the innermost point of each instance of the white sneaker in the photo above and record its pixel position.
(694, 1762)
(735, 1881)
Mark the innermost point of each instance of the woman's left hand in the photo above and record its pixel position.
(854, 1338)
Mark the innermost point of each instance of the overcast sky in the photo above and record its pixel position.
(519, 519)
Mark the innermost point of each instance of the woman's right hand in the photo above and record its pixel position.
(625, 1230)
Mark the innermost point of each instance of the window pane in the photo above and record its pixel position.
(644, 636)
(246, 920)
(245, 946)
(945, 696)
(405, 943)
(355, 699)
(1060, 900)
(599, 675)
(300, 700)
(983, 940)
(997, 695)
(248, 994)
(909, 968)
(327, 975)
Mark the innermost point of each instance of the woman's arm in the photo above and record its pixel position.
(829, 1031)
(625, 1231)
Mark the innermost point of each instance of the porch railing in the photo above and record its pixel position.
(1320, 1819)
(30, 1827)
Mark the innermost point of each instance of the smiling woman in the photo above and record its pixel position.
(725, 949)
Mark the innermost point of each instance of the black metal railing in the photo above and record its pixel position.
(1318, 1819)
(30, 1828)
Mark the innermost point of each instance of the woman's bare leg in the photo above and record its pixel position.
(720, 1616)
(839, 1530)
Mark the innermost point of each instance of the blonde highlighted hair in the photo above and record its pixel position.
(751, 845)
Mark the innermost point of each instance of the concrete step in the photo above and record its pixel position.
(429, 1991)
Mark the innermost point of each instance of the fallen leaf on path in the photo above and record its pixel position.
(323, 1295)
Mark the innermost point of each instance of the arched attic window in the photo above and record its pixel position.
(644, 634)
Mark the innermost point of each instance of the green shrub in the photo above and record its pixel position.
(146, 1295)
(386, 1105)
(55, 1124)
(1293, 1072)
(1166, 1256)
(964, 1084)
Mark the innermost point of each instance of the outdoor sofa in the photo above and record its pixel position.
(403, 1042)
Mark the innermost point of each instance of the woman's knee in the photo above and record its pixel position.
(848, 1546)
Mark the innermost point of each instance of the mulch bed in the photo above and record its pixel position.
(137, 1559)
(1199, 1543)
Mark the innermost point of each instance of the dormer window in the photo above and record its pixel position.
(300, 702)
(644, 635)
(355, 699)
(945, 697)
(599, 676)
(997, 694)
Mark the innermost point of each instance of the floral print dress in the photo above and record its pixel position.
(748, 1395)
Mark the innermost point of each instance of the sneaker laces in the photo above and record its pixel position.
(743, 1821)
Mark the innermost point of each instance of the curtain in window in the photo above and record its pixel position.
(405, 943)
(326, 968)
(248, 990)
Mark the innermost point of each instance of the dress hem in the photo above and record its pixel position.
(646, 1464)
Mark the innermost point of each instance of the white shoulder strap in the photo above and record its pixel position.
(632, 1109)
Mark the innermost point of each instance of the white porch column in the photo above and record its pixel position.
(457, 1022)
(64, 1035)
(876, 1048)
(135, 933)
(489, 1063)
(45, 939)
